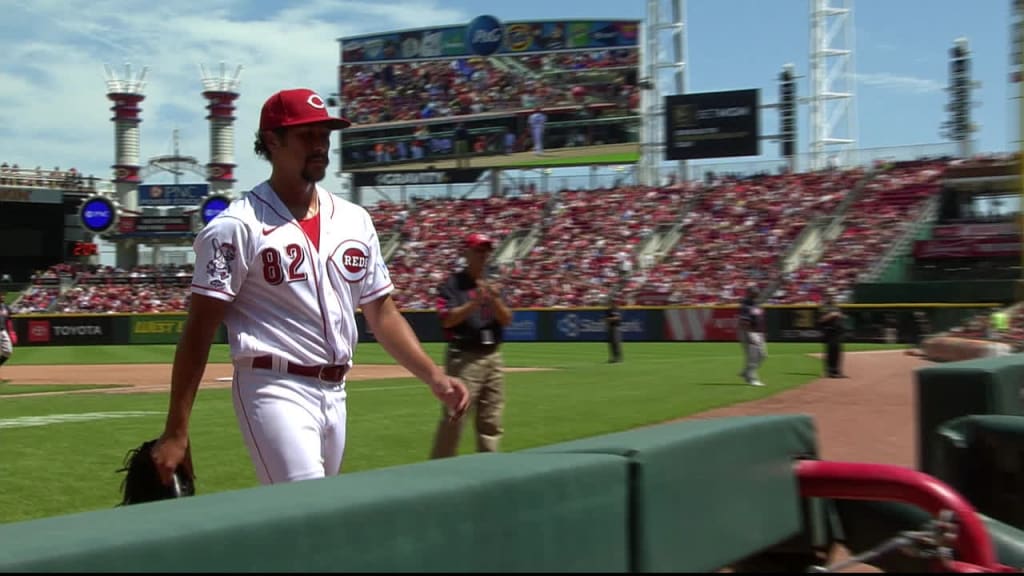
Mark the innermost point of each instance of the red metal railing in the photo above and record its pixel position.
(879, 482)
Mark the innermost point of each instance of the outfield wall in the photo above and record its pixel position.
(791, 323)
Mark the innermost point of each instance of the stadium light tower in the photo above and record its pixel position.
(832, 103)
(787, 114)
(126, 92)
(959, 127)
(662, 16)
(221, 91)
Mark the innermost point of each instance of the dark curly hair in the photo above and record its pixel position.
(260, 148)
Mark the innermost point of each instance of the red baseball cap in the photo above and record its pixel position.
(295, 107)
(477, 240)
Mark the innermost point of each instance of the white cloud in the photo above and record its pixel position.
(52, 82)
(900, 82)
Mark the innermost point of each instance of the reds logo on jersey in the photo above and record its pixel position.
(219, 267)
(352, 259)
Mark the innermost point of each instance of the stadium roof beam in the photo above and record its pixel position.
(832, 81)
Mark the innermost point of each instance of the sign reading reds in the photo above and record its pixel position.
(352, 259)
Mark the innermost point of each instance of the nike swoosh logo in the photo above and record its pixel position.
(267, 231)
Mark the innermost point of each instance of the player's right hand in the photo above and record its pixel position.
(168, 453)
(453, 393)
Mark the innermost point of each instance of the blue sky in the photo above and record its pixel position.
(55, 111)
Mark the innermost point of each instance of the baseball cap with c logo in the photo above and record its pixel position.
(295, 107)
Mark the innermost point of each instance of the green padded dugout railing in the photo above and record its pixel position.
(982, 457)
(477, 513)
(709, 492)
(971, 387)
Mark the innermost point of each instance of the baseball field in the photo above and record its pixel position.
(69, 415)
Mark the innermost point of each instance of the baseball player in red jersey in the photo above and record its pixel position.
(284, 268)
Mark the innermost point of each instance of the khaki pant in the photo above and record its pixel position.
(483, 376)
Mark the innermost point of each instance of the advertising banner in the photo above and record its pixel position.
(485, 36)
(587, 325)
(969, 230)
(712, 125)
(65, 331)
(701, 324)
(31, 195)
(523, 327)
(415, 177)
(142, 226)
(1005, 246)
(156, 329)
(172, 194)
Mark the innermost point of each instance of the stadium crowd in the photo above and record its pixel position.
(430, 240)
(732, 231)
(379, 93)
(79, 288)
(880, 215)
(11, 175)
(736, 235)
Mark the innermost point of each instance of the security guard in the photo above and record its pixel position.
(473, 317)
(830, 321)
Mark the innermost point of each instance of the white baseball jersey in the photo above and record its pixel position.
(288, 298)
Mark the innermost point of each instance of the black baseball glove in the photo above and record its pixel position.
(142, 482)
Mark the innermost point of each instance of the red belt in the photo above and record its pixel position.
(325, 372)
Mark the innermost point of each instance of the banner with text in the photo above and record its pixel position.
(712, 125)
(415, 177)
(488, 36)
(1004, 246)
(701, 324)
(148, 226)
(971, 230)
(523, 327)
(587, 325)
(156, 329)
(65, 331)
(172, 194)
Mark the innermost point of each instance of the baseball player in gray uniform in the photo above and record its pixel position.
(751, 336)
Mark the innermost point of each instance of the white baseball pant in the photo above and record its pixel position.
(6, 349)
(293, 426)
(538, 139)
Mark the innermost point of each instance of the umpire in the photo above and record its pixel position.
(613, 321)
(830, 321)
(473, 317)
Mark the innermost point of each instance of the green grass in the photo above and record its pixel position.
(8, 389)
(71, 467)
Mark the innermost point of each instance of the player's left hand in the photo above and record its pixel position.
(453, 393)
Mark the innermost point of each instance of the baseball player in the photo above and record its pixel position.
(537, 120)
(284, 268)
(751, 335)
(8, 337)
